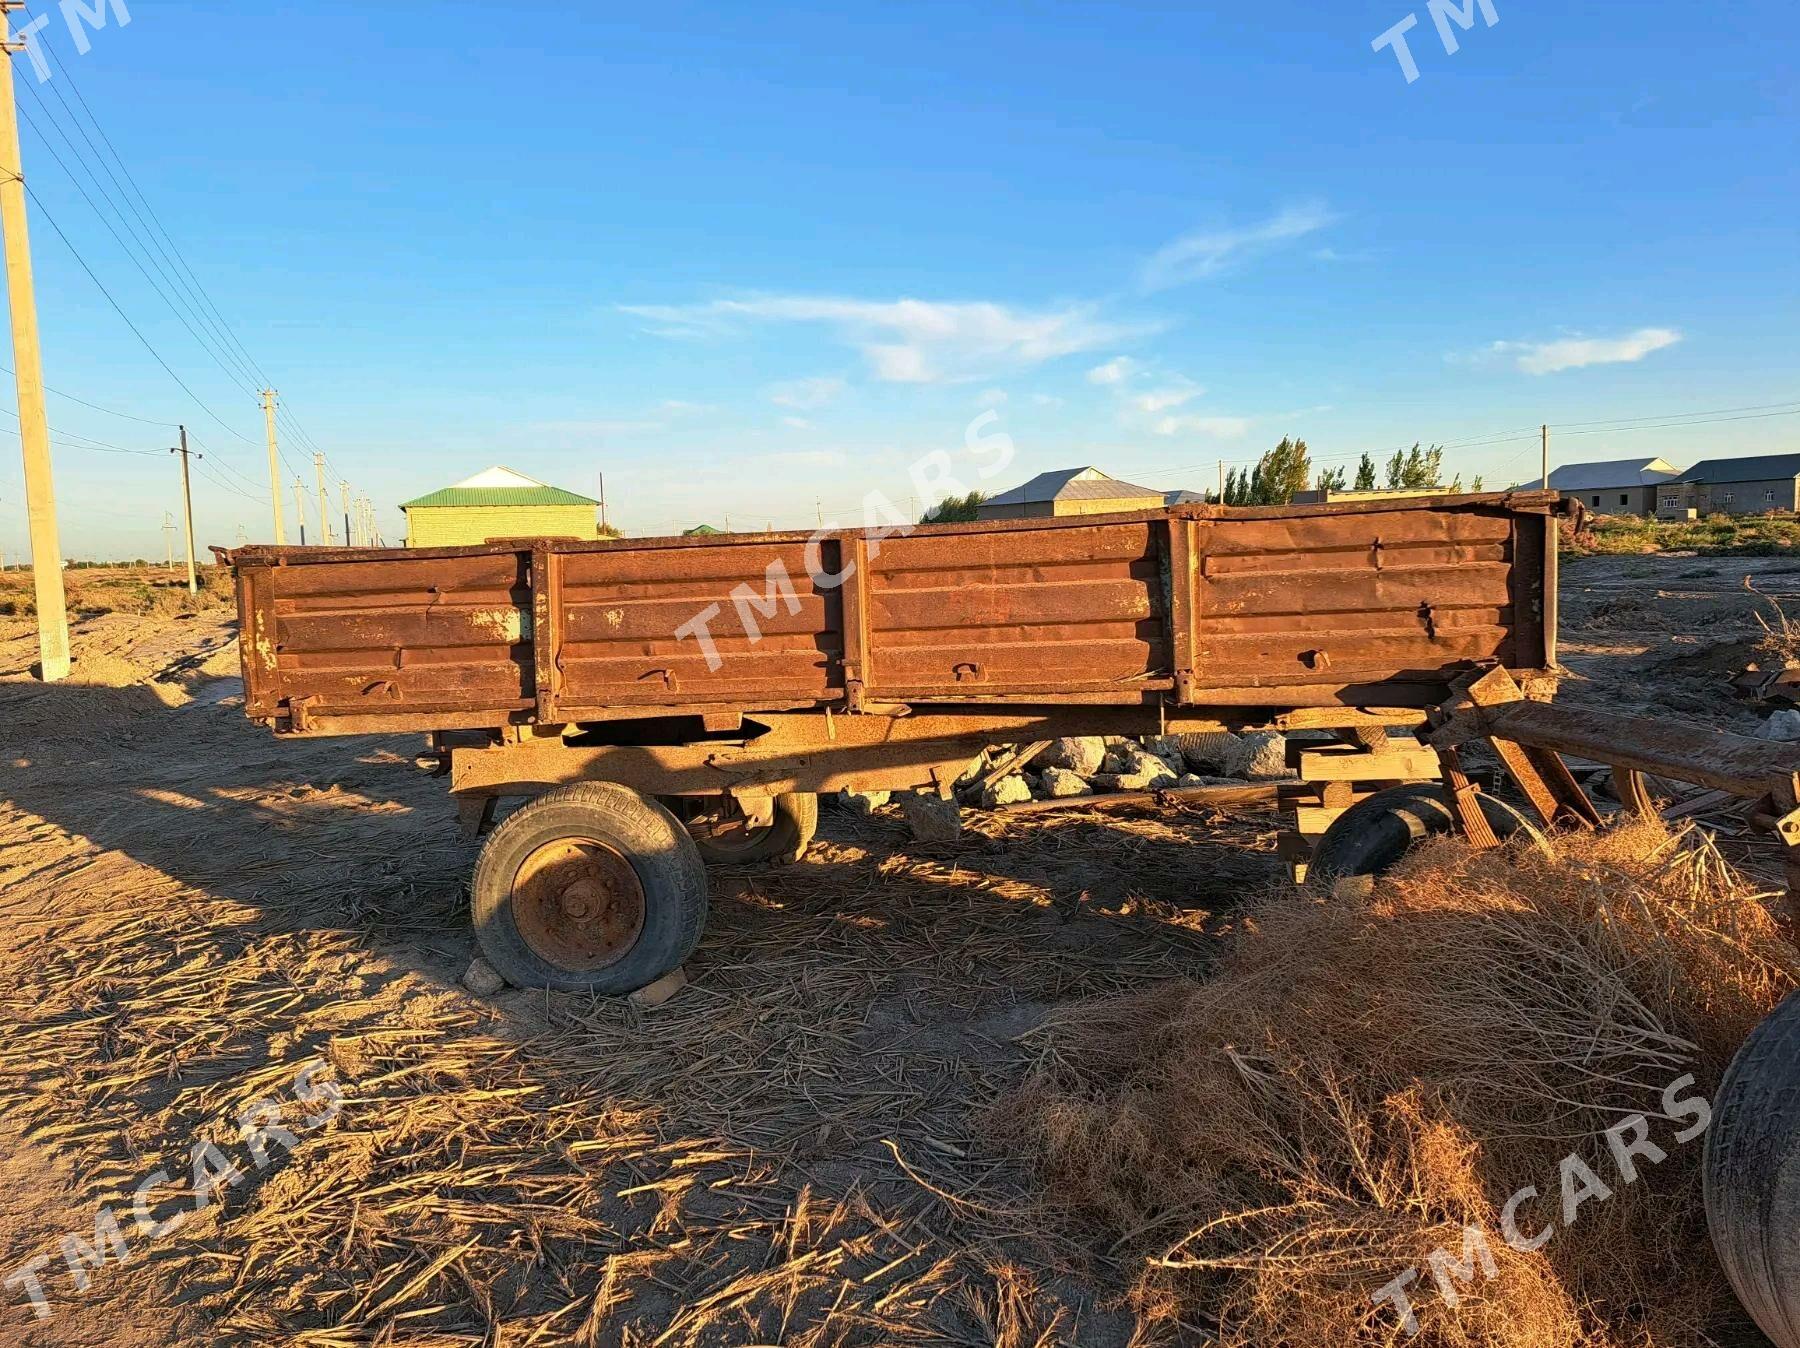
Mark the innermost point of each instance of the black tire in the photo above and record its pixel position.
(1373, 834)
(785, 839)
(1753, 1174)
(629, 830)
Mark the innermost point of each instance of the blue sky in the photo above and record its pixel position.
(750, 263)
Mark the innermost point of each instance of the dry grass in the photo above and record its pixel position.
(1781, 638)
(1365, 1077)
(801, 1147)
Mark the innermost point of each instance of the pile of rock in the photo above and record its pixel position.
(1090, 765)
(1087, 765)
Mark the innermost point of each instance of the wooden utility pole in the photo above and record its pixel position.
(300, 507)
(324, 501)
(28, 364)
(268, 401)
(1544, 481)
(187, 510)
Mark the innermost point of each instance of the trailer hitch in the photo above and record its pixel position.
(1530, 738)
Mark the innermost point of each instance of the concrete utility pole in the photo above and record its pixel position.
(268, 401)
(187, 511)
(169, 538)
(1544, 481)
(300, 507)
(324, 501)
(349, 536)
(1221, 482)
(28, 363)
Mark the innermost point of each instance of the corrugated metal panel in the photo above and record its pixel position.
(1390, 594)
(1077, 608)
(1232, 608)
(621, 610)
(449, 634)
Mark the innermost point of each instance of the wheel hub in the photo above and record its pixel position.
(578, 903)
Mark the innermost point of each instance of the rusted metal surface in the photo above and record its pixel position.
(578, 904)
(1493, 707)
(1254, 611)
(799, 752)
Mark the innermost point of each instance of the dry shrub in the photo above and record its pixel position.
(1365, 1077)
(1780, 639)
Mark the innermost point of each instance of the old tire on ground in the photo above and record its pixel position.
(718, 829)
(1373, 834)
(590, 888)
(1753, 1174)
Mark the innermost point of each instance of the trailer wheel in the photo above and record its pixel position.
(590, 888)
(726, 838)
(1753, 1174)
(1373, 834)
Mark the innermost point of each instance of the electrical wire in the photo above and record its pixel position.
(179, 272)
(126, 318)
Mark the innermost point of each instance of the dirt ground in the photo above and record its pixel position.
(798, 1148)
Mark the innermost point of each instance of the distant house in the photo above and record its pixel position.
(698, 531)
(1744, 486)
(1613, 487)
(1070, 491)
(498, 503)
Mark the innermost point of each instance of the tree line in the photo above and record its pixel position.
(1285, 471)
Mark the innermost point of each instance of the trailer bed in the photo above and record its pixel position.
(1380, 603)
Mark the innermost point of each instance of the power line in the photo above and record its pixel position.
(118, 309)
(202, 341)
(111, 412)
(75, 88)
(191, 291)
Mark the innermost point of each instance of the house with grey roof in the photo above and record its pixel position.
(1751, 485)
(1614, 486)
(1070, 491)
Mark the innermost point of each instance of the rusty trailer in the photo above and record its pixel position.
(666, 702)
(701, 693)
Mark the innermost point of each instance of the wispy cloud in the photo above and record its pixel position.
(797, 423)
(1576, 353)
(1220, 428)
(806, 394)
(910, 341)
(1174, 393)
(1115, 371)
(1207, 253)
(991, 397)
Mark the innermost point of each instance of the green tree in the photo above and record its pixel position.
(1415, 469)
(1332, 479)
(955, 509)
(1282, 472)
(1475, 485)
(1365, 473)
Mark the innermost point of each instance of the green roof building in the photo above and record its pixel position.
(498, 503)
